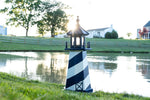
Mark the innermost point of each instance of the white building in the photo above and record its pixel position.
(99, 32)
(144, 35)
(61, 36)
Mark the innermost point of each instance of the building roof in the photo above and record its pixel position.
(147, 24)
(98, 29)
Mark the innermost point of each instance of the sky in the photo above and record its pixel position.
(125, 15)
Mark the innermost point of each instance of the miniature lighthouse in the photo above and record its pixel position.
(78, 78)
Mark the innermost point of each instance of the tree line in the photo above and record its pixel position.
(48, 16)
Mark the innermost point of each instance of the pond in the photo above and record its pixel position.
(129, 73)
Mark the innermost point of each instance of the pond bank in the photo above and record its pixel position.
(15, 88)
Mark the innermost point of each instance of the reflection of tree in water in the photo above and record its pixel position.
(7, 57)
(25, 73)
(144, 69)
(102, 65)
(110, 58)
(3, 62)
(41, 55)
(105, 67)
(111, 66)
(95, 65)
(52, 74)
(104, 62)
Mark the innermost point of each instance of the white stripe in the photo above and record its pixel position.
(72, 54)
(71, 88)
(86, 82)
(77, 68)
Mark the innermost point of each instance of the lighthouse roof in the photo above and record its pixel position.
(79, 31)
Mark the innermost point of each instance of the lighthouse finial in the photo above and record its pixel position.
(77, 19)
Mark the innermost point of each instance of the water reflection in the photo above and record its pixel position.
(105, 64)
(3, 62)
(103, 67)
(111, 73)
(143, 66)
(145, 70)
(25, 72)
(51, 74)
(50, 67)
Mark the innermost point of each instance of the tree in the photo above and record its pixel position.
(22, 12)
(129, 34)
(144, 32)
(41, 28)
(111, 35)
(54, 18)
(108, 35)
(114, 35)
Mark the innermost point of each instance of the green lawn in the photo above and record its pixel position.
(97, 45)
(18, 46)
(15, 88)
(120, 45)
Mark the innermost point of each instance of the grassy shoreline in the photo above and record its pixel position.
(15, 88)
(97, 45)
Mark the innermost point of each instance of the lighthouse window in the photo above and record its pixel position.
(77, 40)
(72, 40)
(82, 40)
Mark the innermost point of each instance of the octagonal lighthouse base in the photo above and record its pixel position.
(78, 78)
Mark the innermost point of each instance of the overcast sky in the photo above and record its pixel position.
(125, 15)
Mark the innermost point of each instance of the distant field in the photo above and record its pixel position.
(58, 44)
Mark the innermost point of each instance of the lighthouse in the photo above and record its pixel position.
(78, 78)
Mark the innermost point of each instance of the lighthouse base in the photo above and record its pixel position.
(78, 78)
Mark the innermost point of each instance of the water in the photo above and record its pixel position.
(129, 73)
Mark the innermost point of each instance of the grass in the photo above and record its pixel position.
(120, 45)
(97, 45)
(15, 88)
(17, 46)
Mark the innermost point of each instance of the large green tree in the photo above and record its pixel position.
(53, 18)
(22, 12)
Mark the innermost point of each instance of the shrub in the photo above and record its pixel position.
(108, 35)
(96, 37)
(111, 35)
(121, 38)
(114, 35)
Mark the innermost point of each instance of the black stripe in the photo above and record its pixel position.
(77, 78)
(75, 60)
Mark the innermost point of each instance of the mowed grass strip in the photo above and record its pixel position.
(105, 45)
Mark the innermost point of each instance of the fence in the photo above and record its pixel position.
(31, 40)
